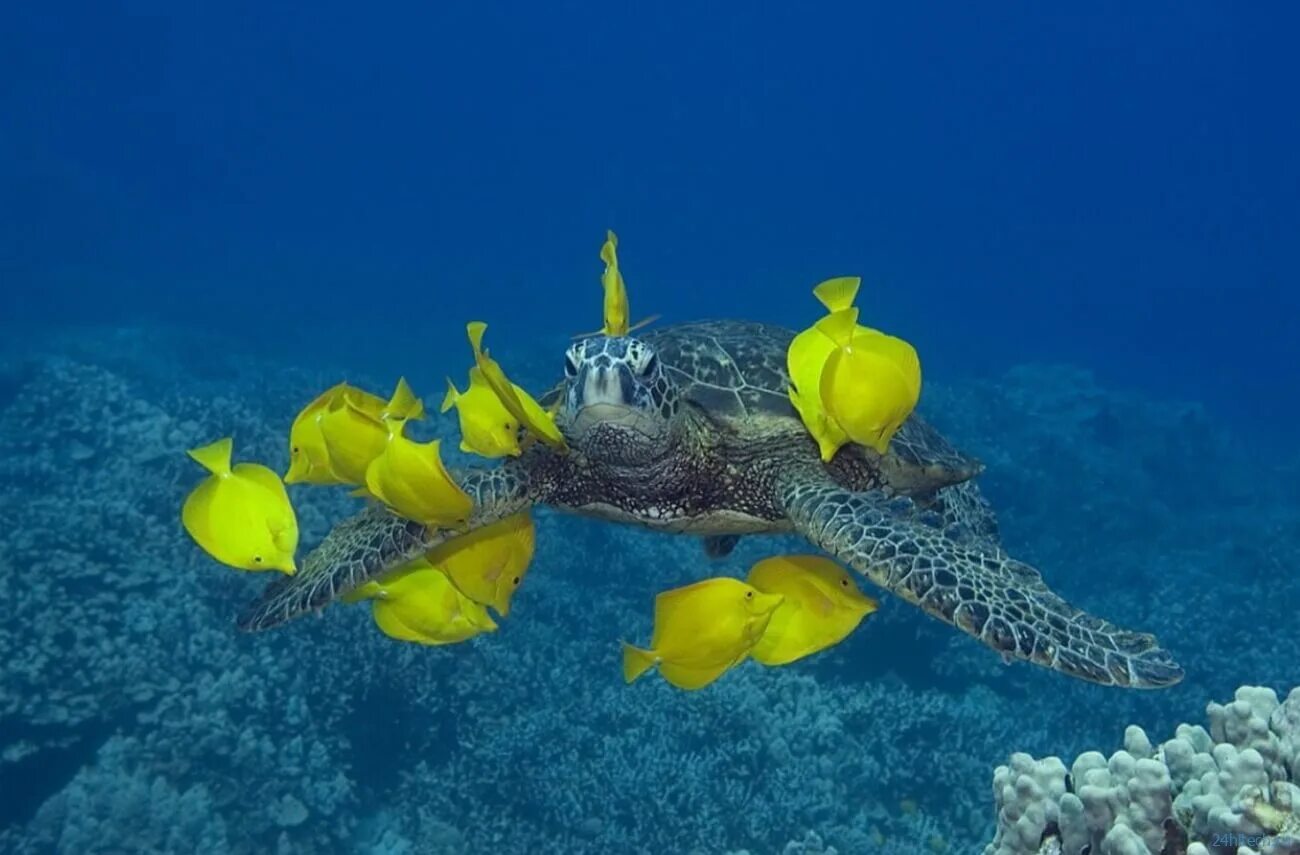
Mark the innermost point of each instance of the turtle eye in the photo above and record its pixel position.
(570, 366)
(648, 366)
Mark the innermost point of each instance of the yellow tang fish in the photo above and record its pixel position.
(488, 563)
(486, 427)
(417, 602)
(519, 403)
(822, 606)
(241, 516)
(308, 456)
(701, 630)
(617, 316)
(355, 434)
(871, 381)
(410, 478)
(805, 359)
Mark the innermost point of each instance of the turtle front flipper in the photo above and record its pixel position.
(972, 583)
(374, 541)
(964, 506)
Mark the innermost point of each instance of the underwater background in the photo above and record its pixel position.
(1086, 221)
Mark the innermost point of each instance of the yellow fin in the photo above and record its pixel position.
(839, 326)
(691, 678)
(476, 330)
(404, 404)
(214, 457)
(838, 293)
(452, 394)
(636, 662)
(366, 591)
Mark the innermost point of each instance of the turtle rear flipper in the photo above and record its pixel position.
(375, 541)
(974, 585)
(720, 545)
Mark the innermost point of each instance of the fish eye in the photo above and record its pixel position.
(294, 450)
(844, 582)
(516, 580)
(257, 559)
(749, 595)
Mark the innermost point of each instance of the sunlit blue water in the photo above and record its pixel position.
(1085, 220)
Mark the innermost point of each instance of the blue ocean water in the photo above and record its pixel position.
(1085, 220)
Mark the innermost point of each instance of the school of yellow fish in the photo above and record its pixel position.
(849, 384)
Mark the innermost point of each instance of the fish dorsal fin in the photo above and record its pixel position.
(838, 293)
(215, 457)
(452, 394)
(475, 329)
(839, 326)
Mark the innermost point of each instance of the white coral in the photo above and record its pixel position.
(1234, 778)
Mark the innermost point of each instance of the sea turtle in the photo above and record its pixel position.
(689, 429)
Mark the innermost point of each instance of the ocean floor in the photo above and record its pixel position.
(134, 717)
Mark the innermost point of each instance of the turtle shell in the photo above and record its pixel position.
(732, 370)
(735, 372)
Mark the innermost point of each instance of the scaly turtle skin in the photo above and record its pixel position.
(688, 429)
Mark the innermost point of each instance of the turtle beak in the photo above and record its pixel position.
(610, 385)
(603, 404)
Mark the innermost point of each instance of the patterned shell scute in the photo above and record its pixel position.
(731, 369)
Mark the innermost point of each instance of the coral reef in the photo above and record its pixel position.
(137, 719)
(1230, 789)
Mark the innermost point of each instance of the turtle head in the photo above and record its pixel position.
(618, 399)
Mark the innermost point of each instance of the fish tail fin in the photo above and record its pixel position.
(475, 329)
(636, 661)
(840, 325)
(838, 293)
(404, 404)
(608, 251)
(369, 591)
(214, 457)
(450, 400)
